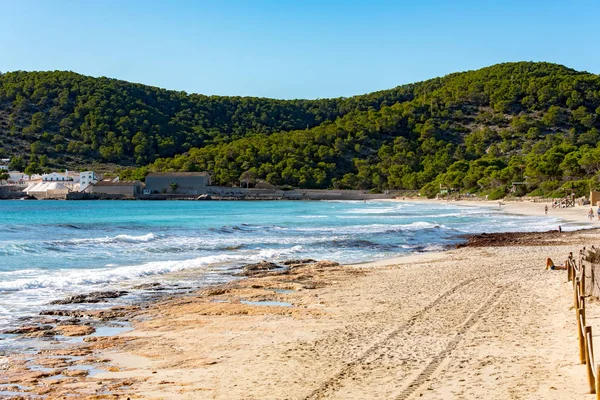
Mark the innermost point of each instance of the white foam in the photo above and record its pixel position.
(119, 238)
(384, 210)
(68, 278)
(276, 253)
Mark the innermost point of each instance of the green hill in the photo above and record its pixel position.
(474, 131)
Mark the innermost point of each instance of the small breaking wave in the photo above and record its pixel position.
(69, 279)
(115, 239)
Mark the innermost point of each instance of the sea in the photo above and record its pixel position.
(53, 249)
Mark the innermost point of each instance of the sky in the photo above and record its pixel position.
(292, 49)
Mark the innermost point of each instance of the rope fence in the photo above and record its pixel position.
(576, 274)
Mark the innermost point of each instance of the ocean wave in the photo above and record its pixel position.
(115, 239)
(435, 247)
(362, 244)
(383, 210)
(70, 279)
(277, 253)
(372, 228)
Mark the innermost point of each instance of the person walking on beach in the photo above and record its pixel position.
(598, 211)
(591, 214)
(546, 209)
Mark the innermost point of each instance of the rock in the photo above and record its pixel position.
(215, 291)
(26, 330)
(204, 197)
(75, 330)
(146, 286)
(299, 262)
(93, 297)
(115, 312)
(254, 269)
(70, 321)
(75, 372)
(325, 264)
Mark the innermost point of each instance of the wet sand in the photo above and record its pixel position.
(475, 322)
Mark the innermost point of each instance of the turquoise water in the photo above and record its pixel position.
(51, 249)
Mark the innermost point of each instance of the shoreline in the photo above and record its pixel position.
(131, 359)
(574, 215)
(313, 339)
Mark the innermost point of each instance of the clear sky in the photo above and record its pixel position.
(292, 49)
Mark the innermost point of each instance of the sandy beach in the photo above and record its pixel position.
(469, 323)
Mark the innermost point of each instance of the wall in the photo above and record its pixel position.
(194, 185)
(124, 190)
(12, 192)
(298, 194)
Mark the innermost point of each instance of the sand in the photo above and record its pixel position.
(469, 323)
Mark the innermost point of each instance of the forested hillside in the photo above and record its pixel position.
(475, 131)
(69, 117)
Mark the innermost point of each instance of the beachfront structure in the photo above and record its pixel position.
(4, 164)
(61, 177)
(177, 182)
(118, 188)
(17, 178)
(86, 179)
(48, 190)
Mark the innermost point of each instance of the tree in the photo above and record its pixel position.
(33, 168)
(17, 164)
(247, 177)
(174, 186)
(4, 175)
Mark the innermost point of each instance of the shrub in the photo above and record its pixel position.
(536, 192)
(497, 194)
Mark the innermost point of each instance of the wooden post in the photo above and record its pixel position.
(569, 271)
(575, 294)
(588, 359)
(582, 288)
(597, 382)
(581, 338)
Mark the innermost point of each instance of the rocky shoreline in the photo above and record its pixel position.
(46, 372)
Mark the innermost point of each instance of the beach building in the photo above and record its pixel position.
(117, 187)
(47, 190)
(4, 164)
(177, 182)
(86, 179)
(61, 177)
(17, 178)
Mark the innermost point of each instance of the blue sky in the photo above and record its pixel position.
(292, 49)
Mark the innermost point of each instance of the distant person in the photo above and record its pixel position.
(550, 265)
(546, 209)
(559, 229)
(598, 211)
(591, 214)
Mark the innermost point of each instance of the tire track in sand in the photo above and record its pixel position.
(424, 376)
(334, 382)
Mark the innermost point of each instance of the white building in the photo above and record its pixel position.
(86, 179)
(17, 178)
(4, 164)
(61, 177)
